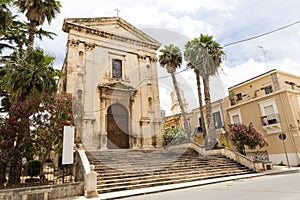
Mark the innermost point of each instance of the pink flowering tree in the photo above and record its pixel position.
(47, 114)
(54, 113)
(13, 138)
(246, 136)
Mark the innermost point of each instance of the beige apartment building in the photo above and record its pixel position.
(271, 101)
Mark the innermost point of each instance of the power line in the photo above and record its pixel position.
(244, 40)
(261, 35)
(175, 73)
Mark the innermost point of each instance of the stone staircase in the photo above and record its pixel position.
(120, 170)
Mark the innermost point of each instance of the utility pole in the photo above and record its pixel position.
(264, 55)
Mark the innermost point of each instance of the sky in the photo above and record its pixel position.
(177, 21)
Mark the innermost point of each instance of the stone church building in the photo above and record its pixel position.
(110, 68)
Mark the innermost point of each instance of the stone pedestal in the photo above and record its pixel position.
(91, 183)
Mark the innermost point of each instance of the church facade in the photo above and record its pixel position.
(110, 69)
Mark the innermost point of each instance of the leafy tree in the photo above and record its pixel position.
(14, 138)
(171, 59)
(242, 135)
(38, 77)
(48, 122)
(36, 12)
(23, 75)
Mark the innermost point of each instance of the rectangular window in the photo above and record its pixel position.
(239, 97)
(116, 68)
(236, 119)
(217, 120)
(268, 89)
(271, 117)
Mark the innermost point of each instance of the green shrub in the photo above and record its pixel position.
(34, 167)
(174, 135)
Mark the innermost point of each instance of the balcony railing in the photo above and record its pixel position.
(270, 119)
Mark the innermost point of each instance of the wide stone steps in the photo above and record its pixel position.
(135, 169)
(133, 176)
(151, 178)
(120, 170)
(131, 186)
(191, 169)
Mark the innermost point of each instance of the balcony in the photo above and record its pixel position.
(270, 119)
(271, 123)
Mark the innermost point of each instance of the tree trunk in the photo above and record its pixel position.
(185, 122)
(203, 127)
(2, 172)
(207, 99)
(32, 31)
(210, 139)
(42, 174)
(15, 169)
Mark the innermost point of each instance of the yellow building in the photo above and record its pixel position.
(271, 101)
(110, 69)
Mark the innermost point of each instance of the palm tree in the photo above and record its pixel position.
(204, 55)
(211, 56)
(6, 20)
(36, 12)
(171, 59)
(39, 76)
(191, 55)
(5, 14)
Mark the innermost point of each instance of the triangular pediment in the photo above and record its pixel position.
(111, 25)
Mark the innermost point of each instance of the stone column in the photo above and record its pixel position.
(147, 136)
(103, 133)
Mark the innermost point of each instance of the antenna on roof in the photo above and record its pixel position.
(118, 11)
(264, 55)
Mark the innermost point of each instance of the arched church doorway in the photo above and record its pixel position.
(117, 127)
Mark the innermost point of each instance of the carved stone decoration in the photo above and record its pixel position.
(89, 46)
(73, 43)
(153, 59)
(142, 58)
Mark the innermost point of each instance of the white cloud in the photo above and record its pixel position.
(240, 73)
(192, 5)
(189, 27)
(228, 21)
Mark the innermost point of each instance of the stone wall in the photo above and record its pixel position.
(43, 192)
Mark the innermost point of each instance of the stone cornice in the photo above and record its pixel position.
(152, 59)
(108, 35)
(75, 43)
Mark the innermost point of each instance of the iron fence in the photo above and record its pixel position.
(52, 175)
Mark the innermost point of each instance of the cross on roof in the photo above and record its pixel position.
(118, 11)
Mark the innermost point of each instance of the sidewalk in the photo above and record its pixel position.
(112, 195)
